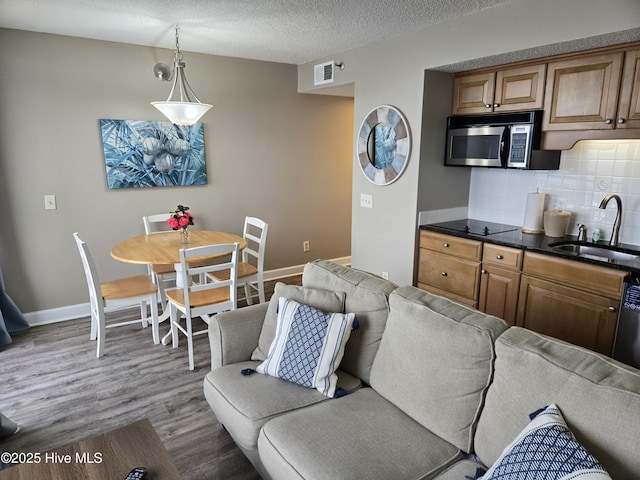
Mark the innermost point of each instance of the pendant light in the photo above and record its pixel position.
(183, 110)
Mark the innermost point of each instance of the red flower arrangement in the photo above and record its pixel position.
(180, 219)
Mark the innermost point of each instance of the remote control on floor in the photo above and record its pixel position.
(137, 473)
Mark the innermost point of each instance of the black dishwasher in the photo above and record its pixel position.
(626, 348)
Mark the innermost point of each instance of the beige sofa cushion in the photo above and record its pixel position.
(367, 296)
(243, 404)
(435, 362)
(360, 436)
(599, 399)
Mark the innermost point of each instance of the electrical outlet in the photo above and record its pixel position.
(50, 202)
(306, 246)
(366, 201)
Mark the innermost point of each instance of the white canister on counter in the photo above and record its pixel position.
(556, 223)
(596, 235)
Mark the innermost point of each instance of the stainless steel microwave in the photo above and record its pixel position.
(502, 140)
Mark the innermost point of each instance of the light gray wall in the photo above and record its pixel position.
(439, 187)
(270, 151)
(392, 72)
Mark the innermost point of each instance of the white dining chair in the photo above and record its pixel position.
(116, 295)
(251, 268)
(163, 275)
(206, 298)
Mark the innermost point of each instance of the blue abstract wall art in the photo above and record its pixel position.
(143, 153)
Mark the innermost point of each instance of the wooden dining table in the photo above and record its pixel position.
(162, 248)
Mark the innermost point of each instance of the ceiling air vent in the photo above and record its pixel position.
(323, 73)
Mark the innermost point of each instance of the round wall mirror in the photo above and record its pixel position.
(383, 145)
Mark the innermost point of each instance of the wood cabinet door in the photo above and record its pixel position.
(450, 274)
(629, 108)
(566, 313)
(473, 93)
(520, 88)
(499, 290)
(582, 93)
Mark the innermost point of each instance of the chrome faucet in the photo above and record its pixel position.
(615, 233)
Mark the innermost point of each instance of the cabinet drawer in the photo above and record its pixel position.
(455, 275)
(460, 247)
(585, 276)
(504, 256)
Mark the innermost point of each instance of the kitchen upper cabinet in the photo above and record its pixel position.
(572, 301)
(506, 90)
(592, 95)
(629, 106)
(473, 93)
(582, 93)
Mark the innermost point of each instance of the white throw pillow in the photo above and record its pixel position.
(325, 300)
(308, 346)
(546, 450)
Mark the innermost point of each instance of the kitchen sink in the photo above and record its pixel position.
(599, 252)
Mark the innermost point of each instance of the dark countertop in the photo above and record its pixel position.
(540, 243)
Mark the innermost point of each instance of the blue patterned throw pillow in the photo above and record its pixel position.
(308, 346)
(546, 450)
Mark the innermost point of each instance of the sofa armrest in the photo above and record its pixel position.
(233, 336)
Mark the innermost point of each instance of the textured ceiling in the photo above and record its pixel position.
(287, 31)
(597, 41)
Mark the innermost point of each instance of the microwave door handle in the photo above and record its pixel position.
(504, 146)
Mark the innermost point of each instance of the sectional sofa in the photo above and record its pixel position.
(427, 388)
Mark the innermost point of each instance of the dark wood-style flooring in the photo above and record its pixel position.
(54, 387)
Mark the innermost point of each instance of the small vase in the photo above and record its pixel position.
(184, 236)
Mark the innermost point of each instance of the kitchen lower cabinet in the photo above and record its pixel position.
(450, 267)
(499, 292)
(500, 281)
(573, 301)
(567, 313)
(448, 276)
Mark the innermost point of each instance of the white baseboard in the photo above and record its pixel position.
(71, 312)
(297, 269)
(55, 315)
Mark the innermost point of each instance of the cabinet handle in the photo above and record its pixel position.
(612, 309)
(499, 257)
(445, 245)
(444, 274)
(487, 105)
(621, 121)
(496, 105)
(483, 271)
(607, 121)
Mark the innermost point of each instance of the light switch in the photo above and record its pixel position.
(50, 202)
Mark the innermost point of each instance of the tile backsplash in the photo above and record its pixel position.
(589, 171)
